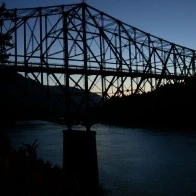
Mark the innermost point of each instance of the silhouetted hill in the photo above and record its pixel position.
(169, 106)
(27, 99)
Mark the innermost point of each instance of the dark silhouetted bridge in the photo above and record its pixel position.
(79, 46)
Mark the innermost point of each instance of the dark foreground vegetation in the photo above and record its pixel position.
(23, 174)
(170, 106)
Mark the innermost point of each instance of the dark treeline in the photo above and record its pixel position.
(170, 106)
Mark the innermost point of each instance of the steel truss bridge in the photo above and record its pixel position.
(81, 47)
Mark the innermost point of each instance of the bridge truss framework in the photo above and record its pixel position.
(79, 47)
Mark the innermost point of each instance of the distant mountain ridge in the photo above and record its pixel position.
(27, 99)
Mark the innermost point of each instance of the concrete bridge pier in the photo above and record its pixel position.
(80, 161)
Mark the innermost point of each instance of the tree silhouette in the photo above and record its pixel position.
(4, 36)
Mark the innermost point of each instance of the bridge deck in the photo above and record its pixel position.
(74, 70)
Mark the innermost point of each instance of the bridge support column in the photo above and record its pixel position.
(80, 161)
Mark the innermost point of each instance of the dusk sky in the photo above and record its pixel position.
(172, 20)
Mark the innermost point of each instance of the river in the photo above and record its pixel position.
(133, 162)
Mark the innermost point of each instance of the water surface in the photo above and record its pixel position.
(131, 161)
